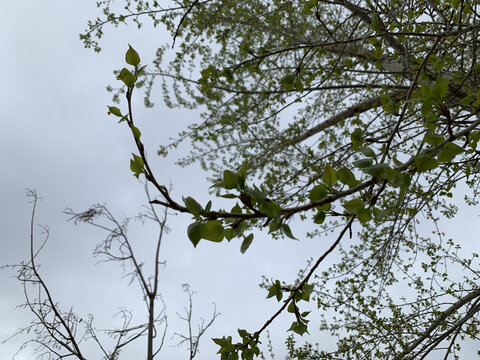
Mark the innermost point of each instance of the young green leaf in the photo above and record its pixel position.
(195, 232)
(364, 215)
(287, 232)
(236, 209)
(230, 233)
(230, 180)
(292, 307)
(379, 214)
(400, 180)
(275, 290)
(208, 207)
(347, 177)
(193, 206)
(307, 291)
(124, 72)
(214, 231)
(256, 193)
(319, 217)
(448, 151)
(136, 165)
(242, 174)
(440, 88)
(368, 152)
(356, 138)
(136, 133)
(318, 192)
(433, 139)
(115, 111)
(275, 224)
(354, 205)
(330, 176)
(298, 328)
(132, 57)
(270, 209)
(425, 162)
(363, 163)
(247, 241)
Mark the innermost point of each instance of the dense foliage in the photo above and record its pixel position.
(335, 113)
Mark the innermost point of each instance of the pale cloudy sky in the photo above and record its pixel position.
(57, 138)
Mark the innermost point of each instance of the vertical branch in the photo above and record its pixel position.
(54, 330)
(191, 339)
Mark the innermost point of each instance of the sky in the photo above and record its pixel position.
(58, 139)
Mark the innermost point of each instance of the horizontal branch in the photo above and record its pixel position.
(326, 200)
(353, 110)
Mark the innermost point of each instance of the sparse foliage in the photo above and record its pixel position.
(60, 334)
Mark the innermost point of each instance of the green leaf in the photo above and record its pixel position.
(364, 215)
(363, 163)
(230, 233)
(319, 217)
(214, 231)
(229, 196)
(124, 72)
(115, 111)
(400, 180)
(448, 151)
(136, 165)
(288, 82)
(347, 177)
(129, 80)
(357, 207)
(287, 232)
(307, 291)
(473, 139)
(270, 209)
(208, 207)
(433, 139)
(379, 214)
(132, 57)
(425, 90)
(275, 224)
(368, 152)
(275, 290)
(330, 176)
(195, 232)
(292, 307)
(136, 133)
(298, 328)
(440, 88)
(354, 205)
(247, 241)
(427, 106)
(127, 77)
(193, 206)
(318, 192)
(425, 162)
(356, 138)
(230, 179)
(380, 171)
(256, 193)
(242, 174)
(236, 209)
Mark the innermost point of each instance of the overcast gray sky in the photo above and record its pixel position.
(57, 138)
